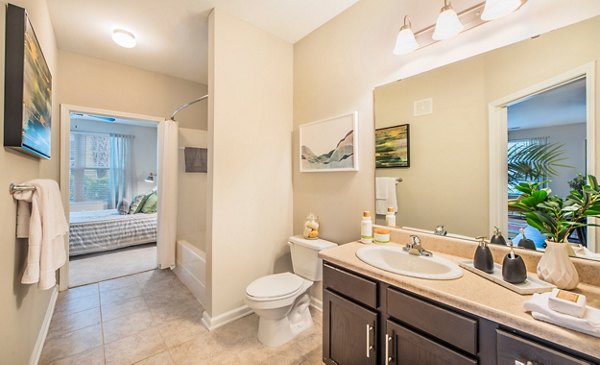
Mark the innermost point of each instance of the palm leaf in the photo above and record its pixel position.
(534, 161)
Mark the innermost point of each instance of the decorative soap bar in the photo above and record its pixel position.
(567, 302)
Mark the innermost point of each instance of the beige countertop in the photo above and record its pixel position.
(477, 295)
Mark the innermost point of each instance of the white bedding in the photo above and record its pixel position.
(104, 230)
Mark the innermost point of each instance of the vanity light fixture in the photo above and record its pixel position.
(447, 25)
(405, 41)
(123, 38)
(495, 9)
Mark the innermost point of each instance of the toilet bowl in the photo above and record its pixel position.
(282, 300)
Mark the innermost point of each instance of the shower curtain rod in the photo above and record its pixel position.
(186, 105)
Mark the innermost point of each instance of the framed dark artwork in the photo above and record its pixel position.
(392, 146)
(27, 89)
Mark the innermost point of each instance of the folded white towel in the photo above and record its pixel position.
(538, 306)
(385, 194)
(47, 228)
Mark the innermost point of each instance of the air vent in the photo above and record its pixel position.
(423, 107)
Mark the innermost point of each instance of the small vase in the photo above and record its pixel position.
(556, 267)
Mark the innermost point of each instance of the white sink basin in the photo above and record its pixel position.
(398, 261)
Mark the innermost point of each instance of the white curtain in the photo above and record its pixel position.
(168, 146)
(121, 163)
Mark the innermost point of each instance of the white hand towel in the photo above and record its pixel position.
(47, 228)
(538, 306)
(385, 194)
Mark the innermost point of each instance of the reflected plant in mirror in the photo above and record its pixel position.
(554, 216)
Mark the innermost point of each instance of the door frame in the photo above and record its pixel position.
(65, 147)
(498, 141)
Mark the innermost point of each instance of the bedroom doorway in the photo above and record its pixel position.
(110, 168)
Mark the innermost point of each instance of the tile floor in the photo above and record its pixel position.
(152, 318)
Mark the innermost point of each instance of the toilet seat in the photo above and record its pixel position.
(276, 286)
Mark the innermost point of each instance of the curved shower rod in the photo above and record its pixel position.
(186, 105)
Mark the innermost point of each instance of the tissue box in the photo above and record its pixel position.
(567, 302)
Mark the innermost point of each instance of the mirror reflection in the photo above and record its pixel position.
(454, 143)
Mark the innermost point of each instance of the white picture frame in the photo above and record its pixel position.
(329, 145)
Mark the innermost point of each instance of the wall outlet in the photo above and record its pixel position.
(423, 107)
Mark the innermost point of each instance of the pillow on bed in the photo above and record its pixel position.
(123, 207)
(137, 203)
(151, 203)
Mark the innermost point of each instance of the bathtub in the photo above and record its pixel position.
(191, 268)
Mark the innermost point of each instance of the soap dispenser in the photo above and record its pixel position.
(513, 268)
(498, 238)
(483, 260)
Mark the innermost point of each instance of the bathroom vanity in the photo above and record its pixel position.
(371, 316)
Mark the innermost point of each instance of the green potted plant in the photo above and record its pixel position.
(556, 218)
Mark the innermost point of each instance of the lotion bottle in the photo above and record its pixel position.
(366, 228)
(390, 217)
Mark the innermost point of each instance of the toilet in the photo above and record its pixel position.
(281, 301)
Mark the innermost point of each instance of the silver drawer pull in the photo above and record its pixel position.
(369, 347)
(517, 362)
(388, 339)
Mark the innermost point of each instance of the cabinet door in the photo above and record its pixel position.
(405, 347)
(349, 332)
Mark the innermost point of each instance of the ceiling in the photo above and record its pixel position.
(563, 105)
(172, 36)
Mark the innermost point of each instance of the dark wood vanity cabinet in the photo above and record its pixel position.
(366, 321)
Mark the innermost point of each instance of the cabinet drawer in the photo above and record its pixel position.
(408, 347)
(453, 328)
(513, 349)
(353, 286)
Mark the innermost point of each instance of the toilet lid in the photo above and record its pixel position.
(274, 286)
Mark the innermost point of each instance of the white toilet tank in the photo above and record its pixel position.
(305, 256)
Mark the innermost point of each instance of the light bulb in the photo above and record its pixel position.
(447, 25)
(123, 38)
(495, 9)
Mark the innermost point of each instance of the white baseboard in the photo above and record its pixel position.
(213, 323)
(41, 338)
(191, 282)
(316, 303)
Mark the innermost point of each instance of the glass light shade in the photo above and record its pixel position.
(447, 25)
(123, 38)
(405, 42)
(495, 9)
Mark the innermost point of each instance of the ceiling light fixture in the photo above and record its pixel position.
(123, 38)
(405, 41)
(495, 9)
(447, 25)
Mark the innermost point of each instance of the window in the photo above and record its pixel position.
(89, 171)
(515, 146)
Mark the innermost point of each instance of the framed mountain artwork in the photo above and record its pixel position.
(329, 145)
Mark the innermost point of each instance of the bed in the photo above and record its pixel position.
(105, 230)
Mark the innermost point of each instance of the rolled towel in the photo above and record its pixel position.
(538, 306)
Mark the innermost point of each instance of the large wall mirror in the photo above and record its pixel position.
(467, 120)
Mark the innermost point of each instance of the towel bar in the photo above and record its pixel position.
(13, 188)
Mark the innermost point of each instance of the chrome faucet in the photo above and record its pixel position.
(415, 248)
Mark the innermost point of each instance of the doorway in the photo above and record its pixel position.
(578, 84)
(108, 174)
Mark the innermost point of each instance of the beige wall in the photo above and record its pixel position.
(250, 125)
(337, 66)
(447, 147)
(95, 83)
(191, 200)
(22, 307)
